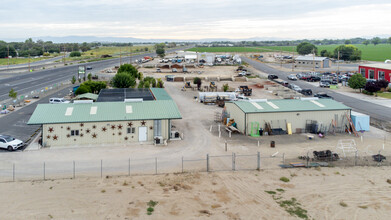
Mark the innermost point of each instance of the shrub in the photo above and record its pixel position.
(150, 209)
(343, 204)
(123, 80)
(372, 87)
(82, 89)
(75, 54)
(225, 87)
(129, 69)
(382, 83)
(198, 82)
(73, 80)
(284, 179)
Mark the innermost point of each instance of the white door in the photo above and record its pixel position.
(142, 134)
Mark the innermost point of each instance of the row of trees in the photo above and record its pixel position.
(344, 52)
(127, 76)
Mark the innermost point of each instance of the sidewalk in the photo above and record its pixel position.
(376, 100)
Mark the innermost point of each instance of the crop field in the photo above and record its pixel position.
(12, 61)
(370, 52)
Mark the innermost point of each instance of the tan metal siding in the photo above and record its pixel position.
(116, 135)
(297, 119)
(236, 113)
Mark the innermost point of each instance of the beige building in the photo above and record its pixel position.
(131, 121)
(311, 61)
(303, 115)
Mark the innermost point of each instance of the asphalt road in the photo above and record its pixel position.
(375, 111)
(32, 81)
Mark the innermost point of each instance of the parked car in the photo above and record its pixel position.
(285, 83)
(158, 70)
(272, 76)
(174, 70)
(58, 101)
(324, 83)
(295, 88)
(306, 92)
(323, 95)
(292, 77)
(10, 143)
(313, 79)
(89, 67)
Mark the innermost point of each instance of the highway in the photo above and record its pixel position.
(24, 83)
(375, 111)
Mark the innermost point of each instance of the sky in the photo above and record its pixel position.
(192, 20)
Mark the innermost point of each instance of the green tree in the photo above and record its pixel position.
(95, 86)
(4, 51)
(160, 52)
(82, 89)
(75, 54)
(197, 81)
(357, 81)
(123, 80)
(365, 42)
(376, 41)
(160, 83)
(347, 52)
(348, 42)
(13, 94)
(129, 69)
(73, 80)
(306, 48)
(225, 87)
(89, 77)
(140, 84)
(325, 53)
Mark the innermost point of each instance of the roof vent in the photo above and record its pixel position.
(308, 98)
(317, 103)
(83, 101)
(93, 110)
(69, 111)
(256, 105)
(129, 109)
(273, 105)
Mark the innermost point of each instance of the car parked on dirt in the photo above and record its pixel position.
(10, 143)
(272, 76)
(292, 77)
(58, 101)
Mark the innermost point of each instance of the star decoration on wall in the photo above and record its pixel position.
(88, 131)
(143, 123)
(55, 137)
(51, 129)
(68, 128)
(93, 126)
(68, 135)
(119, 133)
(94, 135)
(150, 127)
(130, 124)
(126, 138)
(113, 127)
(48, 137)
(119, 127)
(81, 124)
(104, 129)
(81, 135)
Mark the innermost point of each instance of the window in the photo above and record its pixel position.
(74, 132)
(158, 128)
(362, 71)
(371, 74)
(131, 130)
(380, 75)
(2, 140)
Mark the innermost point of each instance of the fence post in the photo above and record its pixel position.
(308, 158)
(74, 170)
(44, 171)
(13, 172)
(233, 161)
(155, 165)
(129, 167)
(101, 168)
(226, 145)
(182, 164)
(283, 158)
(258, 160)
(207, 162)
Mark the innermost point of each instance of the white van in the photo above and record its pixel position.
(58, 101)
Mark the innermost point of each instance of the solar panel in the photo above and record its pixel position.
(119, 95)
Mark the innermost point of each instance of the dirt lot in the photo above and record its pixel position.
(326, 193)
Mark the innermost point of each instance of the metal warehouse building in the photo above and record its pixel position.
(376, 71)
(310, 61)
(299, 113)
(126, 121)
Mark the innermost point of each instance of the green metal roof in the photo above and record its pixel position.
(160, 94)
(104, 111)
(88, 96)
(290, 105)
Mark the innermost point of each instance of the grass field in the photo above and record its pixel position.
(115, 51)
(370, 52)
(4, 62)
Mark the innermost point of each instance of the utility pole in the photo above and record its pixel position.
(338, 63)
(130, 55)
(281, 57)
(29, 63)
(120, 56)
(8, 56)
(63, 59)
(293, 58)
(313, 60)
